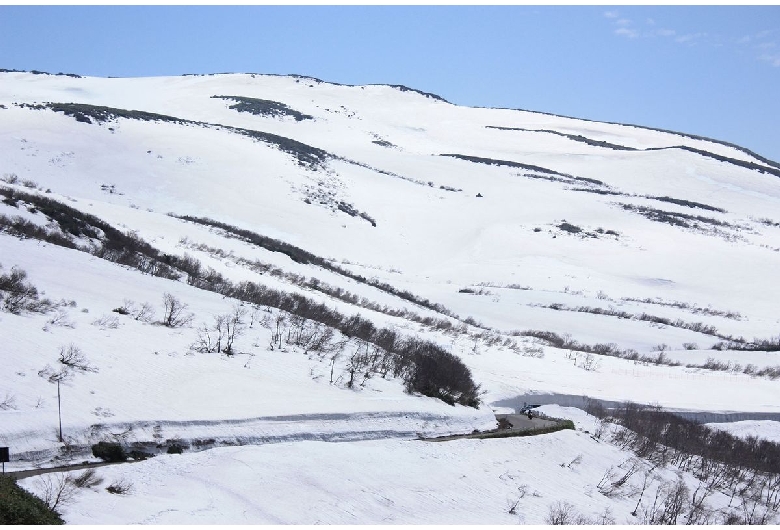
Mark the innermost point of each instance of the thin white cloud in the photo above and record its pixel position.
(765, 50)
(773, 59)
(691, 38)
(747, 39)
(764, 44)
(626, 32)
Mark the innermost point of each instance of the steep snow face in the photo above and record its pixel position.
(482, 230)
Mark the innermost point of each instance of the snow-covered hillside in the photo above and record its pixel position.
(550, 255)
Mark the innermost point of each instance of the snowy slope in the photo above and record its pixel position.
(513, 221)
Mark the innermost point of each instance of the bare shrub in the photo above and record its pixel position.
(363, 363)
(54, 376)
(106, 322)
(614, 480)
(17, 295)
(535, 352)
(234, 327)
(88, 479)
(60, 319)
(175, 313)
(72, 357)
(145, 313)
(125, 308)
(671, 500)
(522, 490)
(56, 489)
(604, 518)
(221, 336)
(561, 513)
(276, 324)
(208, 341)
(589, 363)
(9, 402)
(120, 487)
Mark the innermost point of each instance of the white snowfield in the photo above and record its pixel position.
(652, 241)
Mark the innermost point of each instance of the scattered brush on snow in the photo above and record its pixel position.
(699, 223)
(698, 327)
(425, 368)
(745, 470)
(771, 344)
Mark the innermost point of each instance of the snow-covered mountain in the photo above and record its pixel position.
(552, 256)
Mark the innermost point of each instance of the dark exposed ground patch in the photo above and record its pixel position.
(772, 168)
(520, 165)
(306, 155)
(675, 218)
(574, 137)
(688, 204)
(264, 107)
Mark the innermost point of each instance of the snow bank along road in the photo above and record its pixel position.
(581, 402)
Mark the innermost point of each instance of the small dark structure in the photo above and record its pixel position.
(4, 457)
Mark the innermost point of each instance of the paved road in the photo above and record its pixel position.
(520, 422)
(18, 475)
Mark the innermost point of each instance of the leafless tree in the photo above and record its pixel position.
(56, 489)
(145, 313)
(561, 513)
(277, 326)
(175, 313)
(221, 336)
(208, 340)
(234, 327)
(73, 358)
(645, 482)
(613, 480)
(363, 363)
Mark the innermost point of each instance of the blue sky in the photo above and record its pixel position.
(708, 70)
